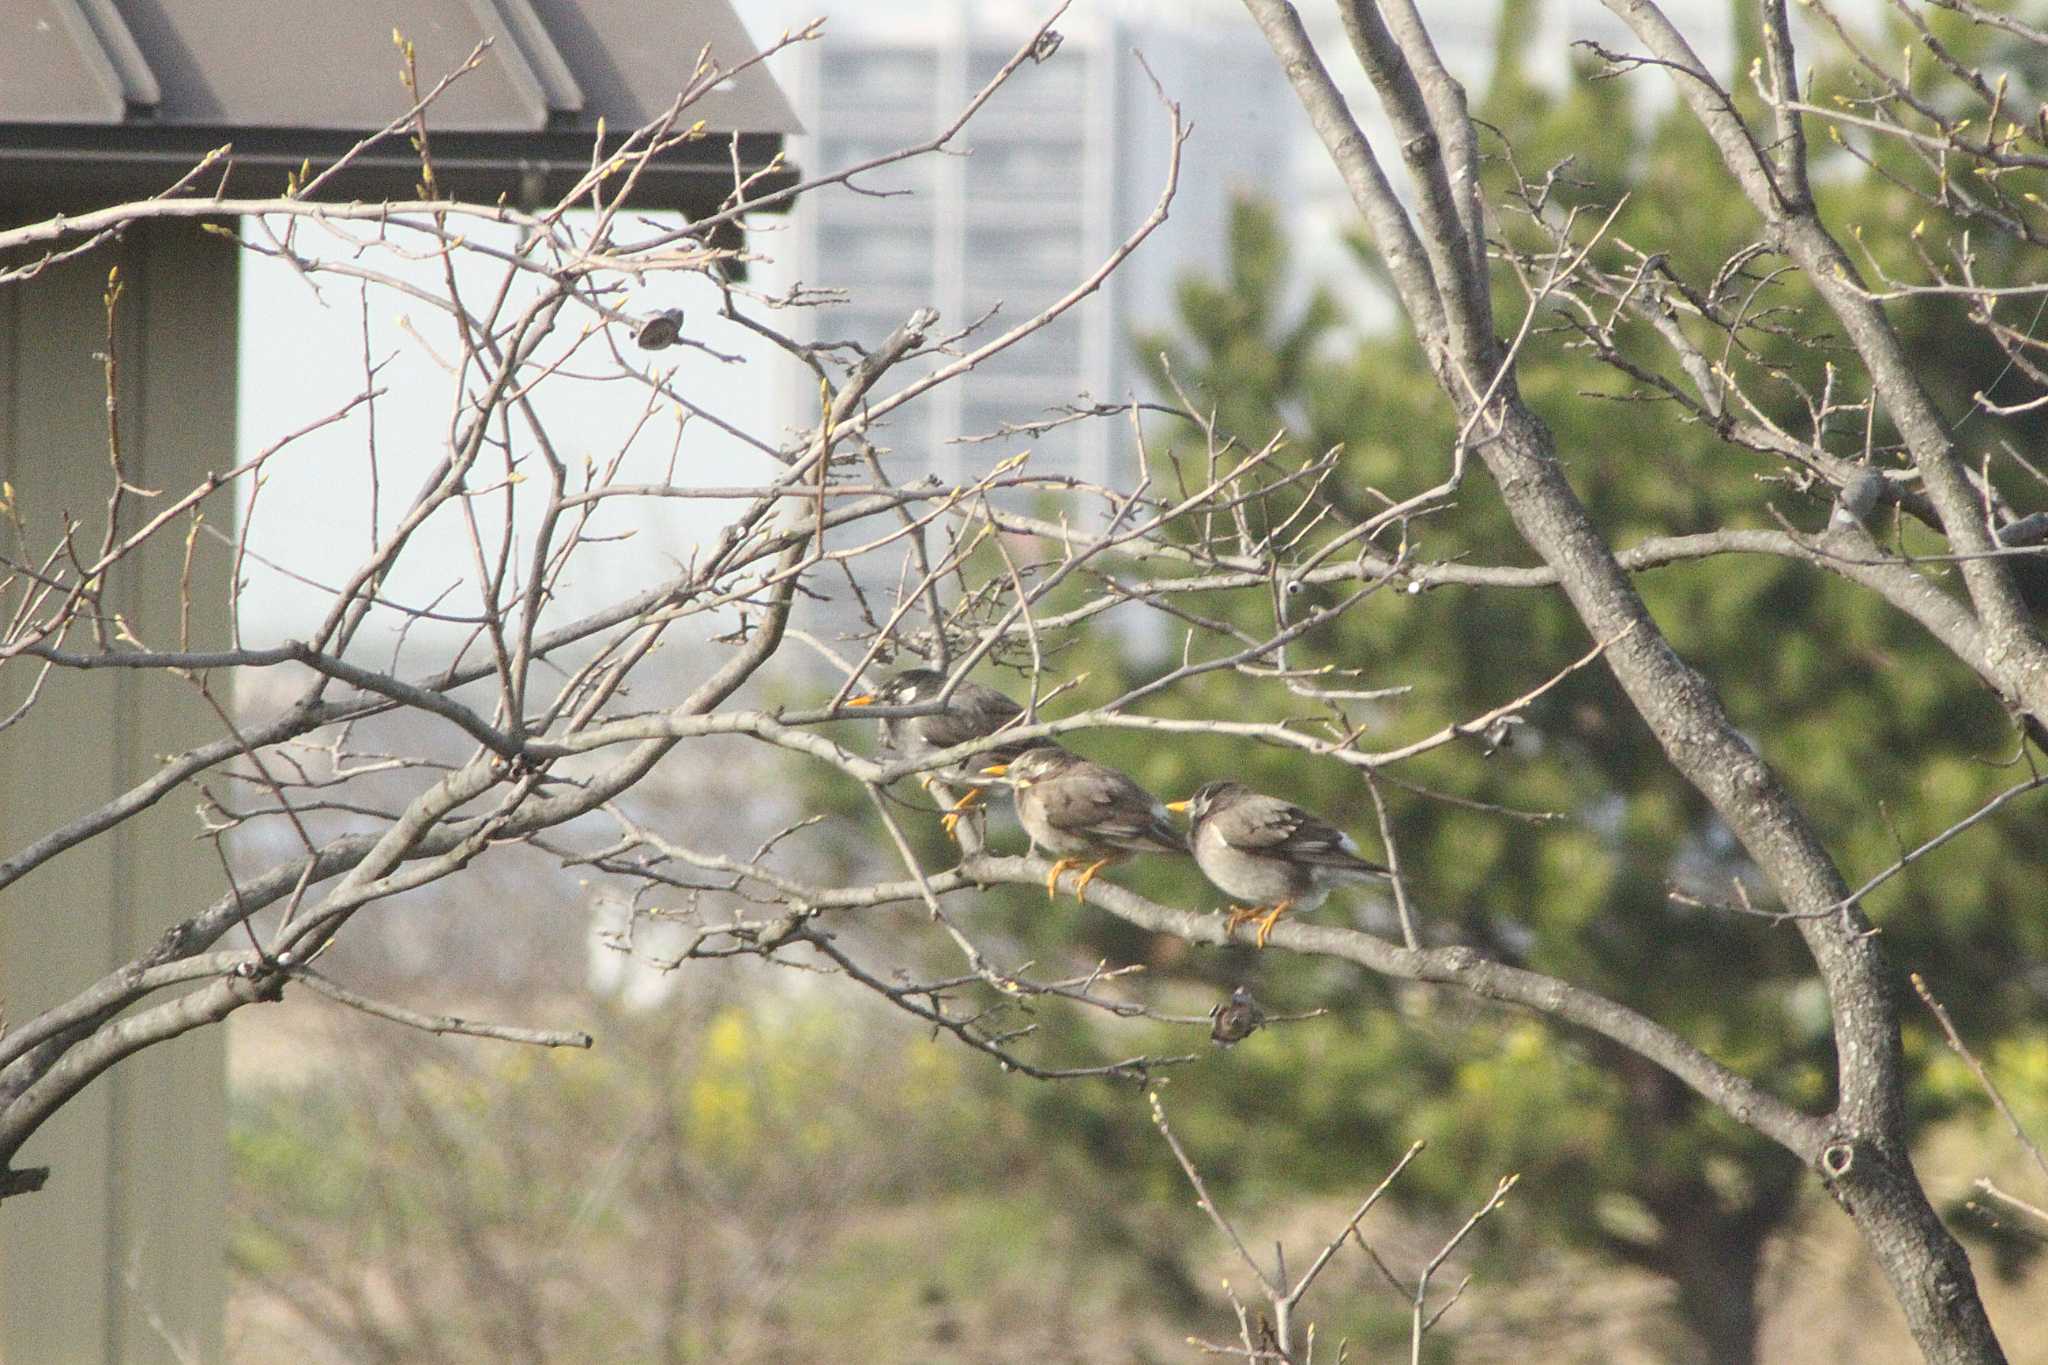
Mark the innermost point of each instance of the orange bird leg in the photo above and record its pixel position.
(1238, 915)
(960, 808)
(1081, 887)
(1052, 878)
(1272, 918)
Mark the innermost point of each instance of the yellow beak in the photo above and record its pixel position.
(1178, 807)
(996, 769)
(868, 699)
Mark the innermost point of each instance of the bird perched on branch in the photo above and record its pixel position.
(1078, 811)
(972, 712)
(1266, 851)
(660, 331)
(1235, 1019)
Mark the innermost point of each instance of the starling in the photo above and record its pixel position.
(661, 331)
(972, 712)
(1077, 811)
(1265, 851)
(1236, 1019)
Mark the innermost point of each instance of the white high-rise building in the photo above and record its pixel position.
(1061, 165)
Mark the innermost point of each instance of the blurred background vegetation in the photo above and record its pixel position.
(751, 1170)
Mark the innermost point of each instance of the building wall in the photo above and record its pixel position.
(119, 1257)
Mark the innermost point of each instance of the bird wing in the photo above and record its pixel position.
(975, 712)
(1105, 804)
(1268, 825)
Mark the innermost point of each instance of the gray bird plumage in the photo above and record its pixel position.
(972, 712)
(661, 331)
(1235, 1019)
(1082, 811)
(1269, 853)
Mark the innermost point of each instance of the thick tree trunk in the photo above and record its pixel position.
(1434, 262)
(1927, 1268)
(1866, 1164)
(1717, 1297)
(1713, 1238)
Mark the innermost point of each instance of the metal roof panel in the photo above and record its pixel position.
(634, 58)
(110, 98)
(563, 94)
(56, 71)
(138, 82)
(307, 64)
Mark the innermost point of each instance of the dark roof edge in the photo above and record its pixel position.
(79, 167)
